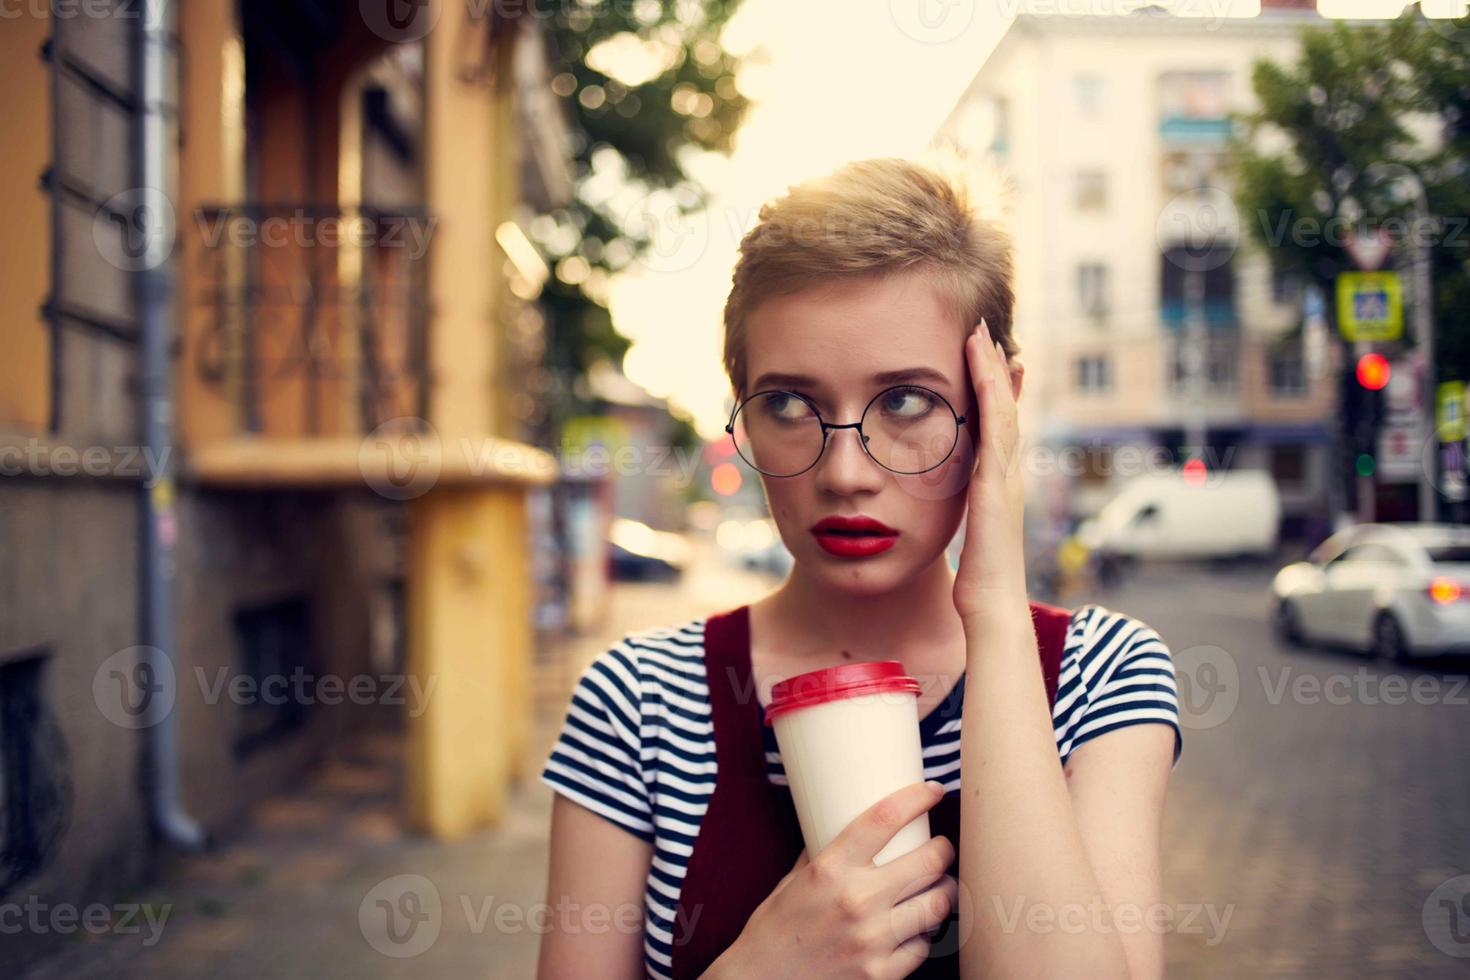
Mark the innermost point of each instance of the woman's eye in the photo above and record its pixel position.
(787, 407)
(908, 403)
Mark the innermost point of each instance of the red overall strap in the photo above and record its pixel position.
(749, 836)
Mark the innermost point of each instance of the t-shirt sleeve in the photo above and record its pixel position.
(1129, 675)
(596, 760)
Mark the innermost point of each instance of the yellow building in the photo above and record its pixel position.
(350, 326)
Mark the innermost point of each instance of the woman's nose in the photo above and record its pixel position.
(845, 468)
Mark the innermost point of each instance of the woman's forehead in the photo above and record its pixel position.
(853, 331)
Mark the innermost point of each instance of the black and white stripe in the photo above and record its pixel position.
(638, 745)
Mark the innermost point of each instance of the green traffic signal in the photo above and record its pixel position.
(1366, 464)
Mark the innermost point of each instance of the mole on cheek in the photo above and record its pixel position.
(846, 655)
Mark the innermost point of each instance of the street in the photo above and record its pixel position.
(1320, 799)
(1315, 809)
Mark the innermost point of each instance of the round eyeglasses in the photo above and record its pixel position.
(906, 429)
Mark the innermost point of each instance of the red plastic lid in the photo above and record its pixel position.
(835, 683)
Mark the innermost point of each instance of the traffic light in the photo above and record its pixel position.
(1373, 372)
(1363, 408)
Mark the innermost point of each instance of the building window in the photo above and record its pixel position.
(35, 787)
(274, 648)
(1219, 360)
(1194, 107)
(1094, 374)
(1286, 285)
(1286, 371)
(1096, 466)
(1092, 288)
(1214, 265)
(1092, 191)
(1089, 92)
(1289, 466)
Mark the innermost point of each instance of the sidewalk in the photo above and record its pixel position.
(301, 893)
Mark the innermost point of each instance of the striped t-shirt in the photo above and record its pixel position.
(638, 745)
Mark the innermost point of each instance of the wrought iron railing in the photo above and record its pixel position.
(312, 319)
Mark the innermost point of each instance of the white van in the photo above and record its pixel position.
(1164, 515)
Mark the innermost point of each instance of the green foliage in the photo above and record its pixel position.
(1330, 135)
(635, 131)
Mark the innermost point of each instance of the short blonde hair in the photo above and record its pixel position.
(874, 217)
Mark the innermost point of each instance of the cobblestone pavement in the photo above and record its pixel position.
(282, 899)
(1320, 801)
(1313, 815)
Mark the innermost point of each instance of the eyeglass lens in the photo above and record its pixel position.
(907, 429)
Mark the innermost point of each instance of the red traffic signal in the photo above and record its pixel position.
(1373, 371)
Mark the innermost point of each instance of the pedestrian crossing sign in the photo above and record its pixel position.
(1370, 306)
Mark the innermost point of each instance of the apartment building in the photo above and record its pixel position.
(1145, 314)
(264, 333)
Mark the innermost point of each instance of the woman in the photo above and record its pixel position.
(872, 300)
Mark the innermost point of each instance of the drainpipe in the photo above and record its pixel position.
(158, 517)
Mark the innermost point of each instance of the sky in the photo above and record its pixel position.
(835, 80)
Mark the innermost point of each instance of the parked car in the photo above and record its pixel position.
(1396, 590)
(639, 553)
(755, 544)
(1229, 514)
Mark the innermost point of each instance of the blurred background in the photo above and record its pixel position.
(360, 382)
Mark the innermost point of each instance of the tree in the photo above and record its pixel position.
(1344, 118)
(646, 84)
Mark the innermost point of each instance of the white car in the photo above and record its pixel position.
(1396, 590)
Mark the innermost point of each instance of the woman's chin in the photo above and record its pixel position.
(870, 576)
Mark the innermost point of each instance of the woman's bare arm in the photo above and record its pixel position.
(594, 923)
(1047, 857)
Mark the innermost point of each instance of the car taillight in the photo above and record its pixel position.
(1445, 590)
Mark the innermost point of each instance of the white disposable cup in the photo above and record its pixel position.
(843, 752)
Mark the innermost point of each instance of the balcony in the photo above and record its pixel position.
(308, 354)
(311, 320)
(1219, 313)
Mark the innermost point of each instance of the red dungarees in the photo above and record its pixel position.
(749, 837)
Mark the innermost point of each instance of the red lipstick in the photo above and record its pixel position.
(853, 537)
